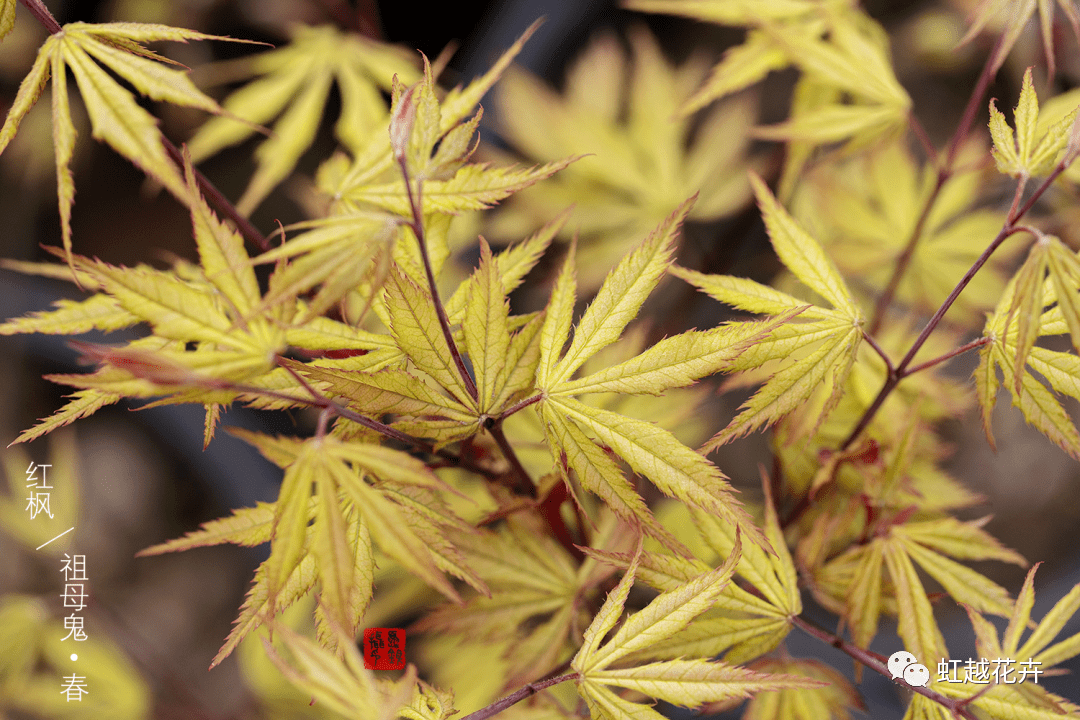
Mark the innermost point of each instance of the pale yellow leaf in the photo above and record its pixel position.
(666, 615)
(621, 295)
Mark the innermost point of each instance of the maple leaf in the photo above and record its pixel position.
(1015, 695)
(650, 450)
(1013, 328)
(63, 510)
(343, 684)
(835, 700)
(864, 212)
(1030, 153)
(867, 591)
(743, 624)
(1015, 16)
(32, 651)
(324, 526)
(7, 16)
(638, 167)
(842, 53)
(211, 307)
(295, 83)
(353, 246)
(687, 683)
(824, 345)
(537, 596)
(115, 116)
(436, 140)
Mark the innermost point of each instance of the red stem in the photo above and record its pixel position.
(877, 663)
(945, 171)
(417, 225)
(43, 16)
(514, 698)
(218, 201)
(902, 370)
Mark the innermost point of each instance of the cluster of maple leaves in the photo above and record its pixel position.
(451, 434)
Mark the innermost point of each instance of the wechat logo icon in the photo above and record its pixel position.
(902, 664)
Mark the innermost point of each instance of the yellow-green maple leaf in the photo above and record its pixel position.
(210, 306)
(824, 347)
(650, 450)
(834, 701)
(744, 623)
(637, 168)
(33, 663)
(295, 83)
(1014, 15)
(115, 116)
(865, 211)
(64, 505)
(836, 46)
(436, 141)
(1017, 692)
(7, 16)
(927, 543)
(341, 684)
(687, 683)
(1029, 153)
(1013, 328)
(537, 597)
(324, 526)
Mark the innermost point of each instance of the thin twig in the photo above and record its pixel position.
(877, 663)
(518, 406)
(947, 356)
(323, 402)
(974, 103)
(924, 139)
(417, 224)
(43, 16)
(514, 698)
(903, 261)
(1011, 226)
(881, 353)
(218, 200)
(945, 171)
(523, 484)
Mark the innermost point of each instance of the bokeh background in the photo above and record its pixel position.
(144, 476)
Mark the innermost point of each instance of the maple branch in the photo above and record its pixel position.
(982, 85)
(924, 139)
(519, 406)
(43, 16)
(903, 261)
(958, 707)
(218, 200)
(881, 353)
(948, 356)
(514, 698)
(945, 171)
(329, 405)
(417, 225)
(214, 196)
(1012, 225)
(523, 484)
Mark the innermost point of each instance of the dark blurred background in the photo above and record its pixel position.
(145, 476)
